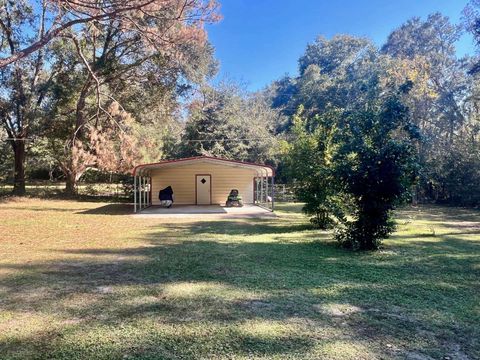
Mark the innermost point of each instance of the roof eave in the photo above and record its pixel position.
(246, 164)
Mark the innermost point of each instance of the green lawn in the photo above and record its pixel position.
(82, 280)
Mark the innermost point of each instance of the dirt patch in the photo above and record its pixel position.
(104, 290)
(338, 310)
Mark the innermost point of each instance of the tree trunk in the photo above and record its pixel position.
(19, 171)
(71, 174)
(72, 179)
(71, 184)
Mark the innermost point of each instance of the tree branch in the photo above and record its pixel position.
(54, 32)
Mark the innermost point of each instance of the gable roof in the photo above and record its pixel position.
(144, 169)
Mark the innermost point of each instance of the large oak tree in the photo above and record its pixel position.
(98, 52)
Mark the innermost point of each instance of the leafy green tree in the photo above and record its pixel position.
(5, 158)
(434, 41)
(109, 65)
(309, 162)
(63, 64)
(453, 172)
(376, 165)
(471, 21)
(343, 73)
(334, 73)
(223, 121)
(355, 144)
(444, 107)
(352, 167)
(24, 84)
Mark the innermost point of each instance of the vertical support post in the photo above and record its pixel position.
(266, 189)
(273, 193)
(261, 188)
(140, 192)
(265, 195)
(135, 193)
(144, 192)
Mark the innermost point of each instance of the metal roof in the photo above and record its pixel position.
(144, 169)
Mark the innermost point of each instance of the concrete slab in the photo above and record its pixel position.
(205, 211)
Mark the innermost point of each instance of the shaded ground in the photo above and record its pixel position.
(90, 192)
(78, 282)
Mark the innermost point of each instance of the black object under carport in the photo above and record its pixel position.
(166, 195)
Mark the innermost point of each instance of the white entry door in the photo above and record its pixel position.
(204, 189)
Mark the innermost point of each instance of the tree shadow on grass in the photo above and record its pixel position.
(439, 213)
(462, 242)
(60, 195)
(252, 228)
(110, 209)
(159, 342)
(39, 209)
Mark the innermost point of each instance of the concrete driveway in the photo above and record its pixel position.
(205, 211)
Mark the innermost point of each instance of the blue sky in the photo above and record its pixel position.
(260, 40)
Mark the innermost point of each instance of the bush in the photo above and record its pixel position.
(308, 160)
(361, 163)
(376, 165)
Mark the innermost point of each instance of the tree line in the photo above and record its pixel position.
(373, 126)
(360, 128)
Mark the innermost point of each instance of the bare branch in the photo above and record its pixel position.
(56, 31)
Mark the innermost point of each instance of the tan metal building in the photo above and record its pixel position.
(203, 180)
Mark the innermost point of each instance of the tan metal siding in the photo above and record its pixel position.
(224, 179)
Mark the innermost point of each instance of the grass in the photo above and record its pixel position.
(82, 280)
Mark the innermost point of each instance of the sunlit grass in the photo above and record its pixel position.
(82, 280)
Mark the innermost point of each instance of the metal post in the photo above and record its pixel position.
(265, 195)
(135, 193)
(266, 189)
(273, 193)
(261, 188)
(144, 192)
(140, 192)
